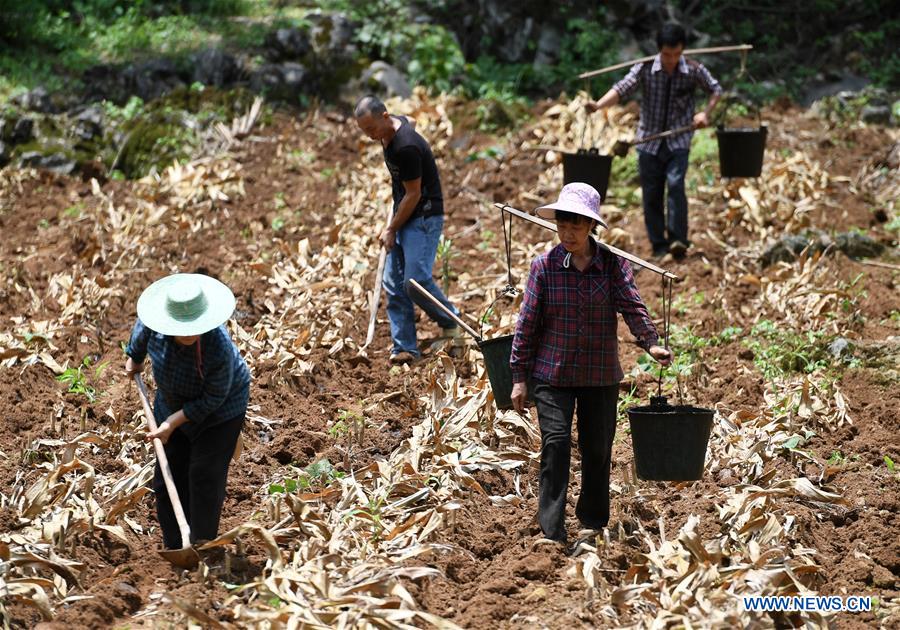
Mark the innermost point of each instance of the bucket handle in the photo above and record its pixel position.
(509, 289)
(667, 320)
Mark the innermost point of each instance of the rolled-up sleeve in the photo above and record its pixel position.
(137, 344)
(528, 326)
(707, 81)
(629, 82)
(627, 301)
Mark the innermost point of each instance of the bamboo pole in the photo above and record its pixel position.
(615, 250)
(375, 295)
(418, 287)
(695, 51)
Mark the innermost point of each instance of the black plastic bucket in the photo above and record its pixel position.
(741, 151)
(589, 167)
(496, 361)
(496, 353)
(669, 441)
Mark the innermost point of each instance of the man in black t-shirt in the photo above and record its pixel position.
(412, 235)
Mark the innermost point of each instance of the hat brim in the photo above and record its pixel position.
(549, 211)
(151, 306)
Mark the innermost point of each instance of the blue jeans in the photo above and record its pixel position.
(665, 168)
(412, 257)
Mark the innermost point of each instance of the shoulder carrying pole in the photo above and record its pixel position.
(614, 250)
(695, 51)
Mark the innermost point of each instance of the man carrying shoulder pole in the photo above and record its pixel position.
(667, 83)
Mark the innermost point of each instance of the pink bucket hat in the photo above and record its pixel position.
(577, 198)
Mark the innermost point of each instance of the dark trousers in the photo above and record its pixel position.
(200, 471)
(596, 429)
(666, 168)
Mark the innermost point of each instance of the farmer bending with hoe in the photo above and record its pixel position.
(412, 235)
(667, 85)
(566, 345)
(202, 389)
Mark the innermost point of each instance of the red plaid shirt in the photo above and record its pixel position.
(566, 333)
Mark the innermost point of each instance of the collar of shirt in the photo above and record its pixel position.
(657, 64)
(558, 255)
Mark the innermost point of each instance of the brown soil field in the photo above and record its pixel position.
(494, 572)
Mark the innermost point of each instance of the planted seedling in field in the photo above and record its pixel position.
(445, 254)
(78, 380)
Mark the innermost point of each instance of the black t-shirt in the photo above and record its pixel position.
(409, 157)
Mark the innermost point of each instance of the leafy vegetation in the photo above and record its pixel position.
(81, 379)
(51, 41)
(779, 351)
(793, 39)
(319, 474)
(445, 256)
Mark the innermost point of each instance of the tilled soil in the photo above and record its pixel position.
(499, 573)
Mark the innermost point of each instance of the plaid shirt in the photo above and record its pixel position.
(566, 333)
(667, 101)
(211, 386)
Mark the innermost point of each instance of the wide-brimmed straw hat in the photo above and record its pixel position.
(577, 198)
(185, 304)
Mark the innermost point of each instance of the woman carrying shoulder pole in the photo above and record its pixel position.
(565, 344)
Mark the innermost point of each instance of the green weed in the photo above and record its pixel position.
(445, 255)
(79, 378)
(779, 352)
(318, 474)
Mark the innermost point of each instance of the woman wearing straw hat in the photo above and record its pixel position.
(202, 389)
(566, 345)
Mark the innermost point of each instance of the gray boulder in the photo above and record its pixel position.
(15, 129)
(214, 67)
(845, 87)
(152, 79)
(548, 45)
(331, 37)
(56, 162)
(385, 80)
(88, 123)
(287, 44)
(36, 100)
(286, 81)
(23, 131)
(876, 115)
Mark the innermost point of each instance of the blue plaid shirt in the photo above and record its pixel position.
(667, 101)
(211, 386)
